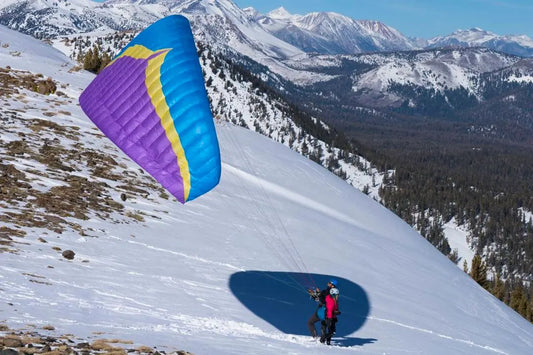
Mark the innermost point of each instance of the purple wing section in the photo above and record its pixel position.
(117, 101)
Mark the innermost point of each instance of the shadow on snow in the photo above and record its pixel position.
(280, 299)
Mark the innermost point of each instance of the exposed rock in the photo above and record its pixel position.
(46, 87)
(68, 254)
(12, 342)
(46, 348)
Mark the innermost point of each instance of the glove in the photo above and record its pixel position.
(337, 312)
(313, 295)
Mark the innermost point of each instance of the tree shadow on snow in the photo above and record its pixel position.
(280, 299)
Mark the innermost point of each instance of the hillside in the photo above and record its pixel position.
(225, 273)
(445, 132)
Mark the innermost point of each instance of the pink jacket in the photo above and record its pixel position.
(331, 307)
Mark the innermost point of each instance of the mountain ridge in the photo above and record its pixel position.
(349, 36)
(520, 45)
(343, 34)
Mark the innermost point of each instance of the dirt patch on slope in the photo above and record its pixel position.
(32, 342)
(12, 80)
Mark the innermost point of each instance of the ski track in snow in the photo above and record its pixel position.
(202, 260)
(194, 258)
(437, 334)
(292, 196)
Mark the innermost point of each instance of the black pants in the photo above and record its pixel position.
(328, 328)
(311, 324)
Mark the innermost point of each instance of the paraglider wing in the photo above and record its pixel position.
(152, 103)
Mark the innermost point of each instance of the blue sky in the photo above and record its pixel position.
(420, 18)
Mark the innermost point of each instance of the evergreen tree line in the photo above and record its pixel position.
(484, 193)
(96, 53)
(94, 60)
(485, 189)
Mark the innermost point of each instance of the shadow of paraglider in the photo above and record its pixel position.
(280, 299)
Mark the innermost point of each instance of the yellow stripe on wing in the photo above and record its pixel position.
(155, 91)
(137, 52)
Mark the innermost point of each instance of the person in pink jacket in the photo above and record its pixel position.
(320, 297)
(328, 326)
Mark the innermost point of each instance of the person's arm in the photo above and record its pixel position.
(336, 309)
(314, 294)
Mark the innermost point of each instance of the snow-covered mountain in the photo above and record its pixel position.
(377, 79)
(520, 45)
(276, 40)
(220, 23)
(520, 72)
(431, 70)
(324, 33)
(223, 274)
(50, 18)
(332, 33)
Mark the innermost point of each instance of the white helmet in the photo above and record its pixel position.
(334, 291)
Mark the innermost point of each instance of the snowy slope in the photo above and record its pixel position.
(222, 273)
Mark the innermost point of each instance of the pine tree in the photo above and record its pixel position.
(479, 271)
(104, 61)
(95, 60)
(87, 60)
(454, 256)
(498, 288)
(516, 297)
(523, 306)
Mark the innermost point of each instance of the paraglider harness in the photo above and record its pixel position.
(320, 297)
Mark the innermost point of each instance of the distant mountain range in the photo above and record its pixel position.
(476, 37)
(360, 63)
(331, 33)
(318, 32)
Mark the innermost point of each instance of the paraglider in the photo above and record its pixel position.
(152, 103)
